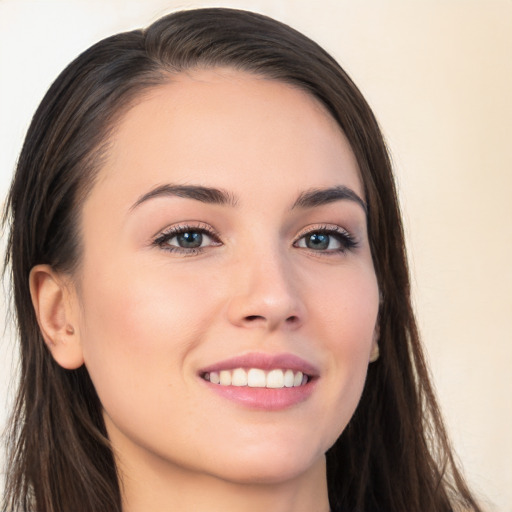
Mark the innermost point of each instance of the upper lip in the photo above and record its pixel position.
(263, 361)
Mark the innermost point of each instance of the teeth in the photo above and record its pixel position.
(257, 378)
(288, 379)
(275, 379)
(225, 378)
(239, 377)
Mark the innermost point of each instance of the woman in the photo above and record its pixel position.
(211, 286)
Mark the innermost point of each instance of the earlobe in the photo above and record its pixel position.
(375, 352)
(56, 315)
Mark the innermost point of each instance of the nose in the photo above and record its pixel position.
(266, 294)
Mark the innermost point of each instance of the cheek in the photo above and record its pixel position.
(347, 309)
(137, 330)
(346, 322)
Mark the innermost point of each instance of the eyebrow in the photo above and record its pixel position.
(308, 199)
(199, 193)
(320, 196)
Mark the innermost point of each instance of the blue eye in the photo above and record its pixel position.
(330, 240)
(321, 242)
(186, 239)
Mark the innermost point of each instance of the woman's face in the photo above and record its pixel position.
(225, 240)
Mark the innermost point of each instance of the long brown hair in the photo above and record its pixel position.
(393, 456)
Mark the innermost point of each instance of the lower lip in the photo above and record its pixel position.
(267, 399)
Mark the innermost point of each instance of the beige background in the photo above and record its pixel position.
(439, 77)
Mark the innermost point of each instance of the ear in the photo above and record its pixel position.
(57, 315)
(375, 352)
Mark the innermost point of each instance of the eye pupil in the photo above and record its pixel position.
(190, 239)
(318, 241)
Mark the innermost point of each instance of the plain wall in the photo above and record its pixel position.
(439, 77)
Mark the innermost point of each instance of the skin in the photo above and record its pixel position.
(145, 320)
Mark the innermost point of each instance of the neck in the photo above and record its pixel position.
(164, 487)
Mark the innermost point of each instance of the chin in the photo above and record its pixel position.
(269, 466)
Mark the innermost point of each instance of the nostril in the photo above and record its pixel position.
(252, 318)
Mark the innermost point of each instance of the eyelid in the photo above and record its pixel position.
(325, 228)
(183, 226)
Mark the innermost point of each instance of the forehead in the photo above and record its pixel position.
(227, 128)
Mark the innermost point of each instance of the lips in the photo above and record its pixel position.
(264, 362)
(262, 381)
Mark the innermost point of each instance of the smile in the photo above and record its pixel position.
(258, 381)
(257, 378)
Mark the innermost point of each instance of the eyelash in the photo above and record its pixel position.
(346, 240)
(162, 239)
